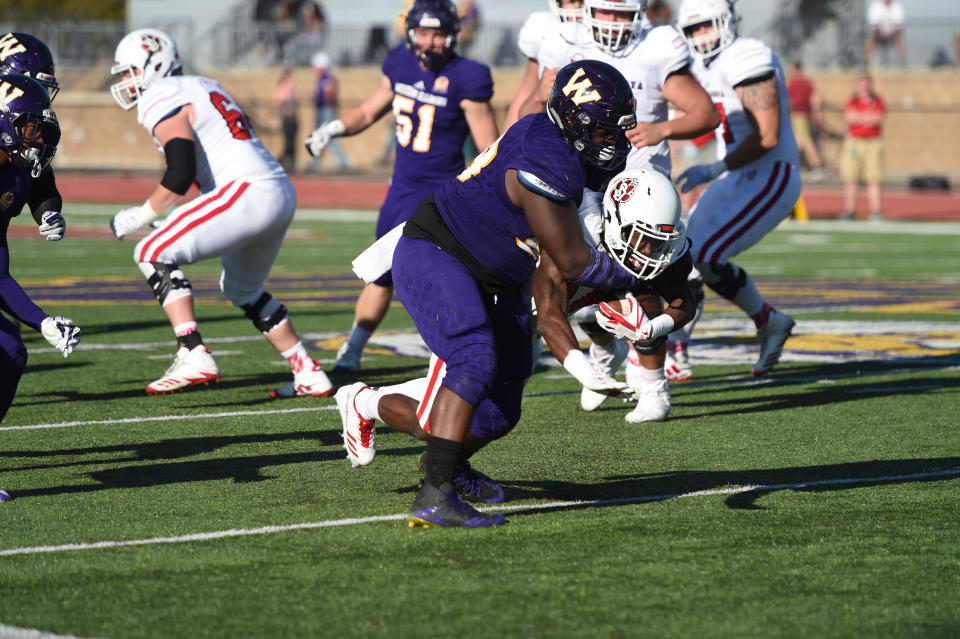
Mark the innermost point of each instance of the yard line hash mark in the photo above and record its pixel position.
(33, 550)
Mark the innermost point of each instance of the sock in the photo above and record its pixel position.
(367, 402)
(358, 338)
(188, 335)
(760, 318)
(298, 357)
(414, 389)
(651, 375)
(440, 461)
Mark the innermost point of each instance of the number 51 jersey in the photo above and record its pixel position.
(226, 146)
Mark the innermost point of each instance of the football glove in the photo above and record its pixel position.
(699, 174)
(579, 366)
(133, 219)
(320, 138)
(634, 326)
(61, 333)
(52, 226)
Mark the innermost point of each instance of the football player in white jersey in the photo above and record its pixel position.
(755, 181)
(538, 29)
(656, 62)
(246, 204)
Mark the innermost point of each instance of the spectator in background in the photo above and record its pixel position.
(805, 115)
(863, 147)
(885, 20)
(469, 23)
(326, 101)
(285, 103)
(659, 13)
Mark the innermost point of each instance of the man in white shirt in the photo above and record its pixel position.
(885, 19)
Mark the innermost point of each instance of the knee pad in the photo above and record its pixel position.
(724, 279)
(166, 280)
(650, 347)
(266, 313)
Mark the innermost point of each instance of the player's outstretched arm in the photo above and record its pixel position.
(355, 120)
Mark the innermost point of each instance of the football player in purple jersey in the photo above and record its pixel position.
(24, 54)
(437, 98)
(29, 134)
(465, 256)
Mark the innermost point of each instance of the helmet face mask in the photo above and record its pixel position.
(641, 222)
(438, 15)
(613, 35)
(29, 131)
(566, 14)
(24, 54)
(592, 105)
(142, 57)
(717, 14)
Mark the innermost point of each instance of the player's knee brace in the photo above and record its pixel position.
(266, 313)
(650, 347)
(166, 280)
(725, 279)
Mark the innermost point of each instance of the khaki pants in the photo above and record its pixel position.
(862, 159)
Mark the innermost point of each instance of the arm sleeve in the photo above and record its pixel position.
(13, 299)
(181, 160)
(44, 195)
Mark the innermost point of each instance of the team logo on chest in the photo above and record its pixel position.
(441, 84)
(7, 199)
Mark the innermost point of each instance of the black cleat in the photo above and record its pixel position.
(438, 507)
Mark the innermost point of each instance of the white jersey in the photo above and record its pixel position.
(646, 62)
(538, 28)
(226, 147)
(743, 59)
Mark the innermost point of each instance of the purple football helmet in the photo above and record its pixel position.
(433, 14)
(29, 132)
(593, 105)
(24, 54)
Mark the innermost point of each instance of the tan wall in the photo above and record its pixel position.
(921, 130)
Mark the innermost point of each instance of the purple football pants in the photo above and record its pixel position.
(484, 341)
(13, 359)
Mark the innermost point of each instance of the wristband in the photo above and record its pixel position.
(336, 128)
(660, 326)
(147, 212)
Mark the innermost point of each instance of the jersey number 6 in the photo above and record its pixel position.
(236, 119)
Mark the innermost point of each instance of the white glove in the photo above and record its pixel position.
(133, 219)
(634, 326)
(699, 174)
(320, 138)
(579, 366)
(61, 333)
(52, 226)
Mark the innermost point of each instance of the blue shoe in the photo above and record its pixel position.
(438, 507)
(471, 484)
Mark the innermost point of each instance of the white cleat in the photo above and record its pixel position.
(348, 359)
(772, 337)
(654, 403)
(190, 368)
(677, 368)
(359, 433)
(603, 360)
(311, 381)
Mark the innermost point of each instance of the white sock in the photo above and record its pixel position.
(298, 357)
(651, 375)
(367, 402)
(415, 388)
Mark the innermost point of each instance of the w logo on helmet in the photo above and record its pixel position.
(9, 93)
(582, 89)
(623, 190)
(10, 45)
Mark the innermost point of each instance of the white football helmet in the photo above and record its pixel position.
(719, 13)
(611, 36)
(146, 54)
(564, 14)
(641, 222)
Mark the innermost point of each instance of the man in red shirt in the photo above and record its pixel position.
(863, 147)
(805, 113)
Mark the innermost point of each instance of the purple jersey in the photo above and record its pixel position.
(478, 211)
(14, 193)
(431, 126)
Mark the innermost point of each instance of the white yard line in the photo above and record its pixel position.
(353, 521)
(13, 632)
(168, 418)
